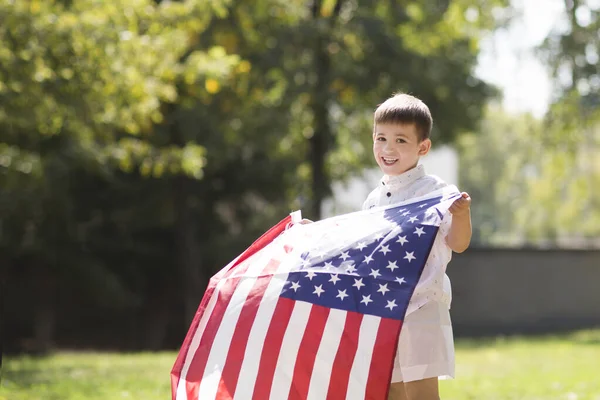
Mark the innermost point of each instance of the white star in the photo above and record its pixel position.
(320, 254)
(351, 269)
(400, 280)
(410, 256)
(334, 278)
(391, 304)
(361, 245)
(406, 213)
(319, 290)
(368, 259)
(392, 266)
(379, 236)
(305, 263)
(342, 294)
(358, 283)
(310, 275)
(423, 205)
(419, 231)
(328, 265)
(295, 286)
(344, 256)
(375, 273)
(402, 240)
(412, 219)
(366, 300)
(383, 289)
(402, 210)
(385, 250)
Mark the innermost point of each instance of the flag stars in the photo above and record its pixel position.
(351, 269)
(379, 236)
(334, 279)
(375, 273)
(358, 283)
(329, 265)
(419, 231)
(412, 219)
(402, 240)
(410, 256)
(385, 249)
(295, 286)
(368, 259)
(361, 245)
(342, 294)
(392, 266)
(319, 290)
(311, 274)
(345, 256)
(366, 300)
(383, 289)
(400, 280)
(391, 304)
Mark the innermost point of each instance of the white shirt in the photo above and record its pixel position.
(434, 284)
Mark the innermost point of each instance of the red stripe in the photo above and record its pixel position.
(382, 363)
(344, 358)
(178, 366)
(272, 347)
(196, 369)
(239, 341)
(308, 352)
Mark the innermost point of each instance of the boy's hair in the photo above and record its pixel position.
(405, 109)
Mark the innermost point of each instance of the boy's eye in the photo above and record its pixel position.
(400, 141)
(380, 138)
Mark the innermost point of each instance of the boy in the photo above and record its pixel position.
(402, 126)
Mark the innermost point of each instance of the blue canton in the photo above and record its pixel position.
(376, 275)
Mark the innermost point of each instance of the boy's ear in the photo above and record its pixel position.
(424, 147)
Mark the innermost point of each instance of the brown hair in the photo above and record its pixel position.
(405, 109)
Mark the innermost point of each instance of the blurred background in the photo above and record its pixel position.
(144, 144)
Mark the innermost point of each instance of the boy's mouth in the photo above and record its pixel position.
(389, 161)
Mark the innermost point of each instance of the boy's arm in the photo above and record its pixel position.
(459, 236)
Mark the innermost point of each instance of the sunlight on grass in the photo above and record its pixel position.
(550, 367)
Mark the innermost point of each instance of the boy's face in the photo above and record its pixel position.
(397, 147)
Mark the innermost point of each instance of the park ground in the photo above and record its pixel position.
(520, 368)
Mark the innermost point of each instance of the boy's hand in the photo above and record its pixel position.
(305, 221)
(461, 206)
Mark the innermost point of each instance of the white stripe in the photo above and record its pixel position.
(219, 350)
(330, 342)
(258, 333)
(359, 374)
(284, 371)
(181, 393)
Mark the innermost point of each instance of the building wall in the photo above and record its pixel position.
(498, 291)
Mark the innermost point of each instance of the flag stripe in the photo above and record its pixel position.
(270, 353)
(290, 349)
(346, 352)
(322, 371)
(383, 359)
(308, 352)
(239, 340)
(269, 311)
(357, 384)
(195, 336)
(235, 294)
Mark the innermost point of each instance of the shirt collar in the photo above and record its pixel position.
(404, 179)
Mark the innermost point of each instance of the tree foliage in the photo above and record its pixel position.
(145, 143)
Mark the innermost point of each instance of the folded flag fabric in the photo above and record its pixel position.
(311, 311)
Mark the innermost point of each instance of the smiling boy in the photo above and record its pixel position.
(401, 131)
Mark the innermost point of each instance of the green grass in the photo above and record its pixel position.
(565, 367)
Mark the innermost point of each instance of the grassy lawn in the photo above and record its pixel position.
(552, 367)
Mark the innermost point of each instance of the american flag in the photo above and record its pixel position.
(311, 311)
